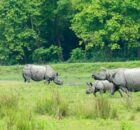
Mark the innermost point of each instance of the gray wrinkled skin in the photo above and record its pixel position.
(128, 78)
(100, 86)
(105, 74)
(40, 72)
(125, 79)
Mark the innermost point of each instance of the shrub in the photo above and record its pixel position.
(96, 54)
(77, 54)
(52, 54)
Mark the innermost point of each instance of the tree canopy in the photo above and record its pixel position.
(52, 30)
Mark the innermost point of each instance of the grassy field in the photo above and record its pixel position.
(38, 106)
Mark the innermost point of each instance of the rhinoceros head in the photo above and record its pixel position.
(90, 88)
(102, 75)
(57, 80)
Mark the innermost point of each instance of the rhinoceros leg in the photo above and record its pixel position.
(48, 81)
(101, 91)
(26, 79)
(94, 94)
(113, 90)
(120, 92)
(125, 90)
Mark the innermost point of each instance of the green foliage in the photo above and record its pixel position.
(17, 22)
(28, 27)
(52, 54)
(108, 23)
(77, 54)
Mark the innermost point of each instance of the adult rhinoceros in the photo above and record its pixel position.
(100, 86)
(125, 79)
(40, 72)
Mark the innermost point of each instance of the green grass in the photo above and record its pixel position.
(38, 106)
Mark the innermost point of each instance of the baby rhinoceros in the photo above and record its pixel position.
(99, 86)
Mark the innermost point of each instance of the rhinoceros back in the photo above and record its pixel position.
(132, 77)
(38, 72)
(50, 73)
(107, 85)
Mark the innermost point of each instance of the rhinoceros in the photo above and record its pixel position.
(126, 79)
(40, 72)
(100, 86)
(105, 74)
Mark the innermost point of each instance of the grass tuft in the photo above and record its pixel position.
(102, 107)
(53, 104)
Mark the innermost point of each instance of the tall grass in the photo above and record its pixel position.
(25, 120)
(49, 104)
(83, 109)
(128, 102)
(14, 117)
(126, 125)
(9, 100)
(8, 103)
(53, 104)
(104, 109)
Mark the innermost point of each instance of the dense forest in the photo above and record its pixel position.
(42, 31)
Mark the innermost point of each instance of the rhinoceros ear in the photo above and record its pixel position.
(104, 69)
(113, 75)
(90, 84)
(57, 74)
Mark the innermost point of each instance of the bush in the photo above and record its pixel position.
(51, 54)
(96, 54)
(77, 54)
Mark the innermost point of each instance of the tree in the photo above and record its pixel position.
(108, 23)
(19, 25)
